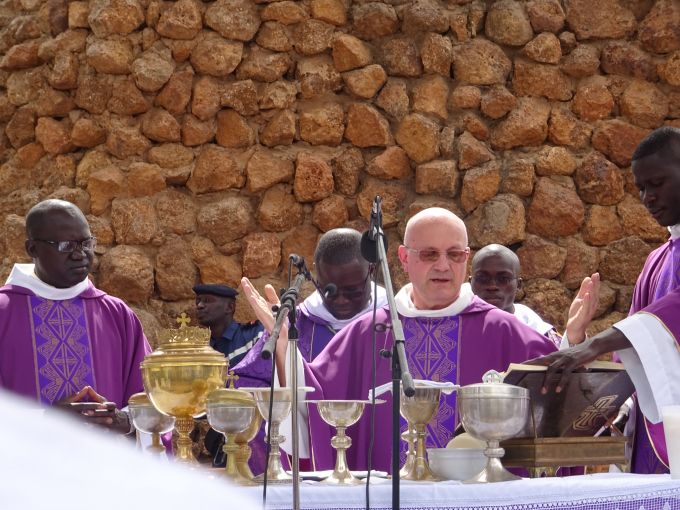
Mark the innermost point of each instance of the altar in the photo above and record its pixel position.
(603, 491)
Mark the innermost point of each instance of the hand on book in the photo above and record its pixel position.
(561, 364)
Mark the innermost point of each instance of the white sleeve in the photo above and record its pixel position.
(653, 363)
(303, 415)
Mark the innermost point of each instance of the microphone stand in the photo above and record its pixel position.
(288, 300)
(400, 372)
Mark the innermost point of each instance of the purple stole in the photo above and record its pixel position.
(61, 347)
(650, 454)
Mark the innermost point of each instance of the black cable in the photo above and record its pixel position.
(271, 408)
(374, 370)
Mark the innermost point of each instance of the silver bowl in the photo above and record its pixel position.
(493, 412)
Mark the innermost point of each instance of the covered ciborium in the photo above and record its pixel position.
(179, 375)
(493, 411)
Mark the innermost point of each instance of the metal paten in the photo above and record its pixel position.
(179, 375)
(232, 412)
(146, 418)
(493, 411)
(418, 410)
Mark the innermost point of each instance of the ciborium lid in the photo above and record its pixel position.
(184, 345)
(230, 396)
(139, 400)
(492, 387)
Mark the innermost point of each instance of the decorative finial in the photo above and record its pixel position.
(231, 380)
(183, 320)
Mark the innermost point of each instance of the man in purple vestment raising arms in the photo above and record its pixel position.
(344, 293)
(63, 342)
(451, 335)
(647, 340)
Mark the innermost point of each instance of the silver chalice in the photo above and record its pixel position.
(147, 419)
(493, 411)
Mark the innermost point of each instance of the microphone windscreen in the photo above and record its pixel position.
(368, 248)
(330, 290)
(296, 259)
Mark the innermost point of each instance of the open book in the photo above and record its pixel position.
(590, 399)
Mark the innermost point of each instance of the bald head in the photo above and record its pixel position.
(432, 216)
(44, 213)
(508, 257)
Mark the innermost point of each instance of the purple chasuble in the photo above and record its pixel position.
(458, 348)
(660, 277)
(51, 349)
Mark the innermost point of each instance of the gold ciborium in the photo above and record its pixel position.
(179, 375)
(341, 414)
(418, 410)
(231, 412)
(146, 418)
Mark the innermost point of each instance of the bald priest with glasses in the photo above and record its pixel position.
(451, 335)
(63, 342)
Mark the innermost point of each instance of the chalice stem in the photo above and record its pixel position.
(184, 425)
(230, 449)
(408, 436)
(422, 468)
(242, 458)
(156, 446)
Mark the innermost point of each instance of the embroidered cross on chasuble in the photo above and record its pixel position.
(61, 348)
(432, 352)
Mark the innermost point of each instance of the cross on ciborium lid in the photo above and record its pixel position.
(184, 334)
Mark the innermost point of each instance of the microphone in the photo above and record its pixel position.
(330, 290)
(368, 238)
(296, 259)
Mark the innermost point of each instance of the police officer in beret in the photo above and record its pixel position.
(215, 306)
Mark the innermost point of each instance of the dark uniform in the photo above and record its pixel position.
(234, 343)
(237, 340)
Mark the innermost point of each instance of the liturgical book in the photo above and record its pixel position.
(590, 399)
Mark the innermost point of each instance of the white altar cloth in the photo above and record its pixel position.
(590, 492)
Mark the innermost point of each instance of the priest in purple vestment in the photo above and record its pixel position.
(451, 335)
(61, 339)
(646, 341)
(343, 294)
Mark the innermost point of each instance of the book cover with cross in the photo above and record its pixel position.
(589, 401)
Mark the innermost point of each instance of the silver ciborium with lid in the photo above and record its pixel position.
(179, 375)
(493, 411)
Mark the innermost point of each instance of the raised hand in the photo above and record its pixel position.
(583, 308)
(262, 306)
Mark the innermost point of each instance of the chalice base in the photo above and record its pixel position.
(418, 471)
(274, 478)
(493, 472)
(342, 478)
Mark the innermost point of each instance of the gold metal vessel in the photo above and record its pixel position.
(179, 375)
(232, 412)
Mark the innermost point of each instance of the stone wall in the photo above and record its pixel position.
(207, 140)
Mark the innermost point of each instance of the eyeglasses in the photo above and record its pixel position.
(486, 279)
(430, 255)
(71, 246)
(350, 293)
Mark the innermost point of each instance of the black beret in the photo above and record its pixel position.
(215, 290)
